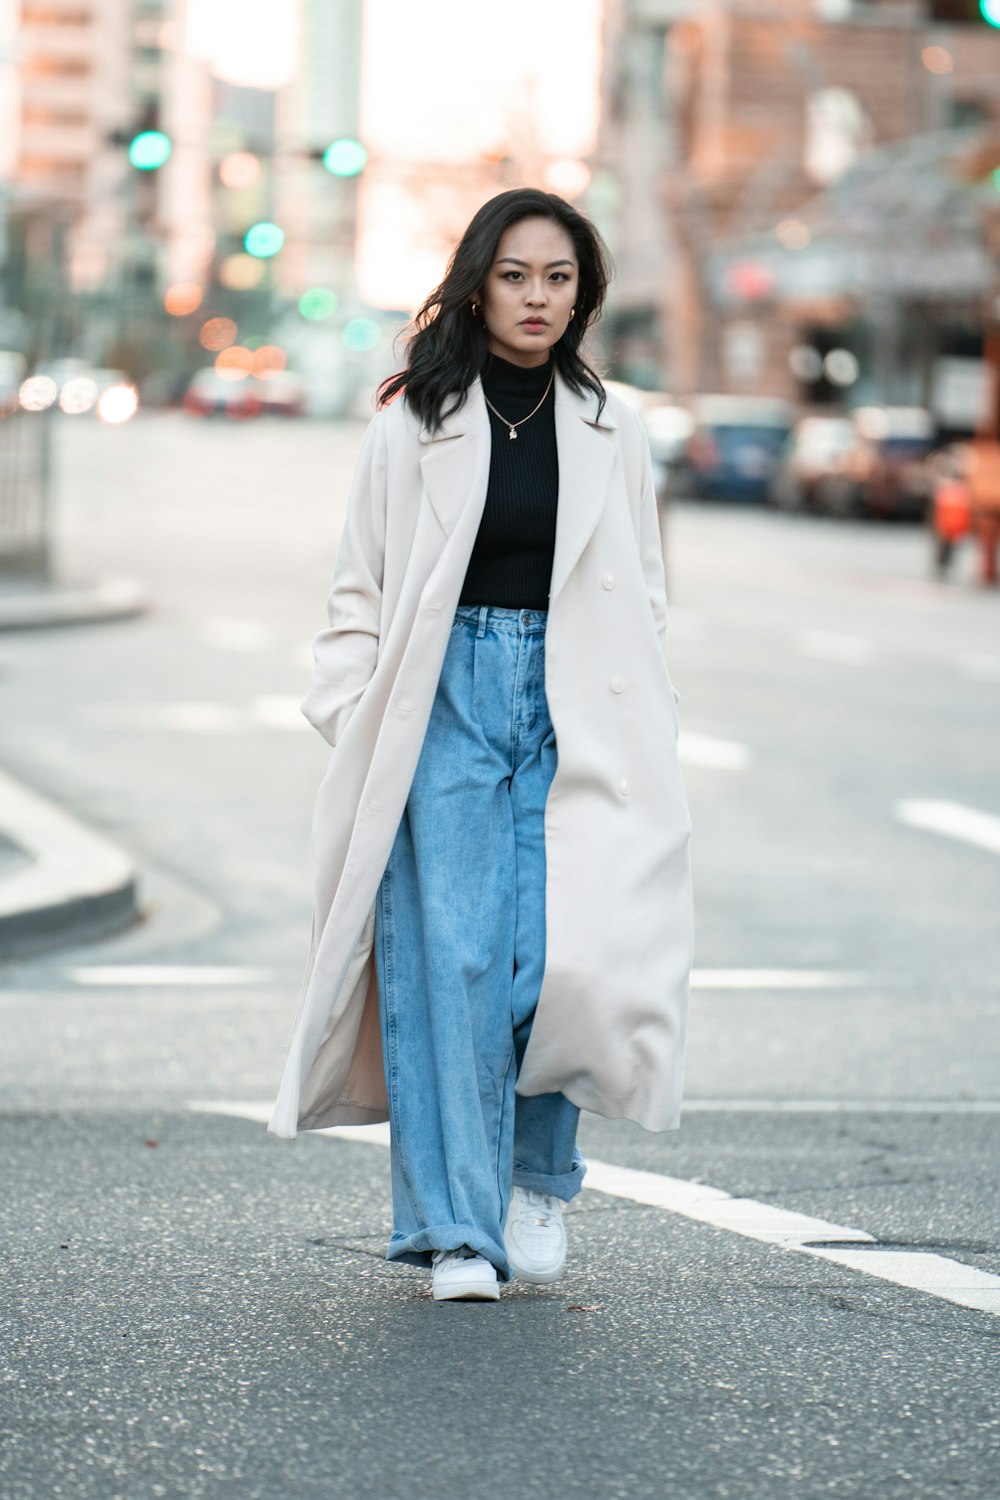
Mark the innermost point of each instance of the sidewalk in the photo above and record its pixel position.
(60, 882)
(28, 605)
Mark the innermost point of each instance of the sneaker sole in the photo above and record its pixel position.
(474, 1291)
(536, 1278)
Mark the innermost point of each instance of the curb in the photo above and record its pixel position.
(77, 885)
(43, 605)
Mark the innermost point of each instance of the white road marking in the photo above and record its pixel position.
(844, 1106)
(191, 718)
(954, 820)
(982, 667)
(269, 711)
(166, 974)
(832, 645)
(774, 979)
(922, 1271)
(238, 635)
(708, 751)
(279, 713)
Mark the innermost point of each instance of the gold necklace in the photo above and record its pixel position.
(514, 425)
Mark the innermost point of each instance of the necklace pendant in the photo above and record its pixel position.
(513, 433)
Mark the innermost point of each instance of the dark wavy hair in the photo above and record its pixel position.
(450, 345)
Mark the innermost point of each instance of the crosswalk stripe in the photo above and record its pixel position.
(937, 1275)
(166, 974)
(774, 979)
(953, 820)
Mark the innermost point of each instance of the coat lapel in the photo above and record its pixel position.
(586, 451)
(455, 461)
(585, 448)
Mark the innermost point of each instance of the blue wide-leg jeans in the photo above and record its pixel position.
(460, 951)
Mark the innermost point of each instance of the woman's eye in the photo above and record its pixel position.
(562, 274)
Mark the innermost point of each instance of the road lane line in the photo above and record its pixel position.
(275, 711)
(923, 1272)
(981, 666)
(712, 753)
(232, 634)
(954, 820)
(844, 1106)
(166, 974)
(917, 1270)
(201, 717)
(833, 645)
(774, 979)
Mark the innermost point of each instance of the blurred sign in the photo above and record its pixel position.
(959, 391)
(742, 351)
(749, 280)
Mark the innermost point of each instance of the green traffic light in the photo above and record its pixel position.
(263, 240)
(361, 334)
(346, 157)
(317, 303)
(149, 150)
(990, 11)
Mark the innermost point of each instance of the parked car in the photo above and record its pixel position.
(872, 461)
(209, 393)
(892, 446)
(668, 428)
(814, 472)
(735, 445)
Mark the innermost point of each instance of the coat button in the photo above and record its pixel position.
(608, 581)
(617, 684)
(624, 786)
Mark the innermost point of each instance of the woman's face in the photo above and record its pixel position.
(534, 275)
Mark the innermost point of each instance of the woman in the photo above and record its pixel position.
(503, 925)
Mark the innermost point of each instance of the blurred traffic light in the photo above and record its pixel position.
(344, 157)
(149, 149)
(965, 12)
(263, 240)
(317, 303)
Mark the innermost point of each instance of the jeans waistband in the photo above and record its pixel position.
(493, 617)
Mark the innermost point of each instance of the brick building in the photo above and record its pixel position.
(738, 123)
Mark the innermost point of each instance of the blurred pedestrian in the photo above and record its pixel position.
(951, 505)
(503, 927)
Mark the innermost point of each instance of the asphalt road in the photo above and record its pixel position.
(193, 1308)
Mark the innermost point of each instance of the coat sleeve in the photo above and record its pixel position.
(346, 652)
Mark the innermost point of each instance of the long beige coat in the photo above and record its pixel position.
(610, 1023)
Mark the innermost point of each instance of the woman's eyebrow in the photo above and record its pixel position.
(514, 261)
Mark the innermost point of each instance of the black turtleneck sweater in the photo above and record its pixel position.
(511, 563)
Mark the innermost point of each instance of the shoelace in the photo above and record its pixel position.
(538, 1210)
(439, 1257)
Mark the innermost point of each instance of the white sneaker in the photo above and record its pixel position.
(535, 1235)
(463, 1274)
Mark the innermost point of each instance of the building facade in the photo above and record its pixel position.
(763, 109)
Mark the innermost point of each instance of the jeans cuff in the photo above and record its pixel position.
(564, 1185)
(415, 1249)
